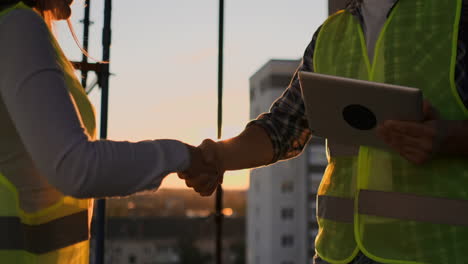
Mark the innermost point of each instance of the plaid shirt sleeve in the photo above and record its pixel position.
(286, 123)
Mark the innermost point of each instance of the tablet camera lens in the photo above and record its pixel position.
(359, 117)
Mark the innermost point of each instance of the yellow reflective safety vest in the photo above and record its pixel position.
(377, 202)
(59, 233)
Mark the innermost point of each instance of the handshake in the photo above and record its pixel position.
(206, 169)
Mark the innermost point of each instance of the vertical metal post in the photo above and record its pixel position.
(104, 83)
(86, 23)
(219, 191)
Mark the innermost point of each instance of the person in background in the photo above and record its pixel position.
(405, 205)
(51, 163)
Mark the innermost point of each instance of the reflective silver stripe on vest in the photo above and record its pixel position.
(335, 208)
(395, 205)
(44, 238)
(414, 207)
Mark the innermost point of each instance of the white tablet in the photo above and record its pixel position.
(347, 111)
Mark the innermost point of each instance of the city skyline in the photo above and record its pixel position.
(164, 61)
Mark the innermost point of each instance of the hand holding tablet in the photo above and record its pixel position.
(348, 110)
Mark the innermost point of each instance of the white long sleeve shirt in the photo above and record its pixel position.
(44, 150)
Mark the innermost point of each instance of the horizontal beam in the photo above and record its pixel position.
(86, 66)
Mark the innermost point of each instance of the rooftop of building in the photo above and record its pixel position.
(172, 228)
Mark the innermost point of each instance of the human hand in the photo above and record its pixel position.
(211, 152)
(418, 142)
(204, 174)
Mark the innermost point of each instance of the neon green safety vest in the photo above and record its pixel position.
(59, 233)
(377, 202)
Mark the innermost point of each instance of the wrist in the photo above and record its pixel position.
(222, 150)
(191, 155)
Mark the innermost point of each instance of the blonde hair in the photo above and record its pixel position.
(52, 10)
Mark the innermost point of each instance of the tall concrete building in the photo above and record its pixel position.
(281, 222)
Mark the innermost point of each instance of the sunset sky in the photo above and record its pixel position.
(164, 61)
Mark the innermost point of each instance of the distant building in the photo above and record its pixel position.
(175, 203)
(172, 226)
(171, 240)
(281, 222)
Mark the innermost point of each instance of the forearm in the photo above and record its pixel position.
(51, 131)
(111, 168)
(255, 146)
(252, 148)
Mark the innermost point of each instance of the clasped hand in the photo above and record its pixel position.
(418, 142)
(206, 171)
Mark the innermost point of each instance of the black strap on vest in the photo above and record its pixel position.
(44, 238)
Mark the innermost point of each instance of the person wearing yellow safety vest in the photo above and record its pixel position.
(407, 206)
(51, 163)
